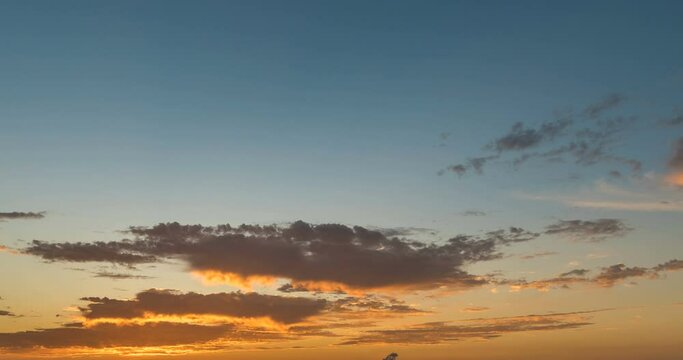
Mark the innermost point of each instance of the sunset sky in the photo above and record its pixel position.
(341, 179)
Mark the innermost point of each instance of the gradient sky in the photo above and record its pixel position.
(558, 123)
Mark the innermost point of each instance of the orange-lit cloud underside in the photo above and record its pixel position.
(248, 282)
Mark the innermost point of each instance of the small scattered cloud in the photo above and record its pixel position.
(607, 277)
(473, 213)
(120, 276)
(14, 215)
(538, 255)
(586, 139)
(6, 313)
(589, 230)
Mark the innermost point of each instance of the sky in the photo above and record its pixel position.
(341, 179)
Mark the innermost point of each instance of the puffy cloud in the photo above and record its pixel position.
(21, 215)
(280, 309)
(318, 257)
(589, 230)
(616, 273)
(483, 328)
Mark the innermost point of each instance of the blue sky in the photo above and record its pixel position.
(130, 113)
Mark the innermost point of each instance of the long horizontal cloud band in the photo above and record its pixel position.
(355, 257)
(168, 302)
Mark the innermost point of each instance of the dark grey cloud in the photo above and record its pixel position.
(671, 265)
(585, 139)
(120, 276)
(21, 215)
(617, 273)
(118, 252)
(352, 256)
(575, 272)
(6, 313)
(607, 277)
(483, 328)
(521, 138)
(110, 335)
(371, 304)
(281, 309)
(392, 356)
(589, 230)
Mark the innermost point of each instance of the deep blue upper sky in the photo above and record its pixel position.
(273, 110)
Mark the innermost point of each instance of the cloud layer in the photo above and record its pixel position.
(280, 309)
(440, 332)
(311, 256)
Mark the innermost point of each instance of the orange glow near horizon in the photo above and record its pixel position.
(675, 178)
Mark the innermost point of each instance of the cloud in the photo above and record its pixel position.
(521, 138)
(589, 230)
(575, 272)
(6, 313)
(585, 139)
(7, 250)
(608, 102)
(617, 273)
(673, 121)
(537, 255)
(473, 213)
(671, 265)
(608, 276)
(324, 257)
(475, 309)
(285, 310)
(371, 305)
(483, 328)
(107, 335)
(119, 276)
(118, 252)
(21, 215)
